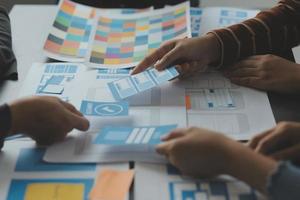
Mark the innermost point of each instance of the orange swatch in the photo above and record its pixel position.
(112, 185)
(188, 102)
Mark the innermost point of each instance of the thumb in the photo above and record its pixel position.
(163, 148)
(79, 122)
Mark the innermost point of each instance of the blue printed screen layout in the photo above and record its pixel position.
(102, 109)
(141, 82)
(150, 135)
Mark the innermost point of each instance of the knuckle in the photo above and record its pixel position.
(284, 126)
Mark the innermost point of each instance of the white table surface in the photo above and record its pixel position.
(30, 27)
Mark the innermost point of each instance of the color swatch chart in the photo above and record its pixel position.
(123, 41)
(141, 82)
(209, 190)
(71, 31)
(132, 135)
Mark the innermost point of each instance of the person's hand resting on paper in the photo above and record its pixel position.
(201, 153)
(266, 72)
(45, 119)
(189, 55)
(280, 143)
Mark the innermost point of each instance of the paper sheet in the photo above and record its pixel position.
(104, 38)
(296, 52)
(132, 85)
(50, 79)
(215, 103)
(23, 172)
(210, 18)
(112, 185)
(162, 182)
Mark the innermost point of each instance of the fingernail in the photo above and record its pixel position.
(164, 137)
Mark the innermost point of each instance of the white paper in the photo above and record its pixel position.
(236, 111)
(157, 182)
(37, 79)
(220, 17)
(19, 165)
(296, 52)
(159, 106)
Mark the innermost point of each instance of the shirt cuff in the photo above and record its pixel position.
(5, 123)
(284, 182)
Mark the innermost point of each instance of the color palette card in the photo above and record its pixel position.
(148, 135)
(122, 41)
(104, 109)
(70, 34)
(113, 38)
(141, 82)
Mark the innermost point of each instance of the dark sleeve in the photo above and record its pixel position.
(7, 57)
(5, 122)
(272, 31)
(284, 182)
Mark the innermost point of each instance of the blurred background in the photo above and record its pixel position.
(261, 4)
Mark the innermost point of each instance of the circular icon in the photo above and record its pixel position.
(108, 109)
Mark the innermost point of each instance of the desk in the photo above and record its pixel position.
(30, 25)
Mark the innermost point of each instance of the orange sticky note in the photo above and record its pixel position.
(188, 102)
(112, 185)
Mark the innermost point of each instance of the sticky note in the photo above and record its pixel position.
(141, 82)
(54, 191)
(102, 109)
(146, 135)
(112, 185)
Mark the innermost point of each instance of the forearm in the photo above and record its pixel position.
(250, 167)
(272, 31)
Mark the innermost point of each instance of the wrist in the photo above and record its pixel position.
(214, 48)
(248, 166)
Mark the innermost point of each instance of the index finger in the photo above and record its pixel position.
(155, 56)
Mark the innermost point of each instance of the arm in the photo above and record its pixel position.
(272, 31)
(7, 56)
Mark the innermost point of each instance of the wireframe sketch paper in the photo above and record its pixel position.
(132, 85)
(213, 102)
(152, 108)
(165, 182)
(50, 79)
(206, 19)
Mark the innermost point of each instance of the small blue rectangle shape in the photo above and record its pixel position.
(146, 135)
(119, 92)
(31, 160)
(103, 109)
(55, 80)
(18, 187)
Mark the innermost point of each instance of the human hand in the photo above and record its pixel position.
(45, 119)
(281, 142)
(190, 55)
(198, 152)
(267, 72)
